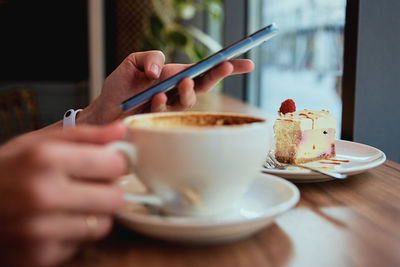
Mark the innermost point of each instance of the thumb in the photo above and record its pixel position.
(152, 62)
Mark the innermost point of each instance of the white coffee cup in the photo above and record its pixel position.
(195, 163)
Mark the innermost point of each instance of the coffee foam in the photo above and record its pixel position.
(193, 120)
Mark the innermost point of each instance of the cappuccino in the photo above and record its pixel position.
(192, 119)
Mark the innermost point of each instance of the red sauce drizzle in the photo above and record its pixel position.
(308, 117)
(334, 163)
(339, 160)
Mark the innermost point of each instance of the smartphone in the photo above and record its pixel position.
(232, 51)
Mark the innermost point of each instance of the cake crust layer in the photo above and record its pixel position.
(294, 160)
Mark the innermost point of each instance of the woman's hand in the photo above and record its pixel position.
(142, 70)
(57, 190)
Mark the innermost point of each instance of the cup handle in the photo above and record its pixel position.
(130, 152)
(127, 148)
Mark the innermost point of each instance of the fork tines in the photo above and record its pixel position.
(271, 162)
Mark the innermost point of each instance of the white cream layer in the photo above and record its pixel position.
(309, 119)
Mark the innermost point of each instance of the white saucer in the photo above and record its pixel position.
(354, 158)
(267, 198)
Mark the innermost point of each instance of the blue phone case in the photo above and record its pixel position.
(199, 68)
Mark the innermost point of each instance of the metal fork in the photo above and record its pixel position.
(273, 163)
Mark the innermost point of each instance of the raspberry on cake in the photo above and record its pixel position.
(287, 106)
(305, 135)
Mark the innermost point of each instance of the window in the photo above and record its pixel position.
(305, 60)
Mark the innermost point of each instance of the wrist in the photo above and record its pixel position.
(84, 117)
(87, 116)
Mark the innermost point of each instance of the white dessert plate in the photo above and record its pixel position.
(267, 198)
(351, 158)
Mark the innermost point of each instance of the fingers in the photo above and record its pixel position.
(187, 95)
(58, 193)
(85, 134)
(77, 227)
(64, 227)
(90, 198)
(152, 62)
(206, 82)
(69, 227)
(93, 134)
(79, 160)
(241, 66)
(51, 185)
(159, 103)
(212, 77)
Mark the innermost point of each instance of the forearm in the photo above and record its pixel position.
(85, 116)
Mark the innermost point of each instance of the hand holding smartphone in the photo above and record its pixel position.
(201, 67)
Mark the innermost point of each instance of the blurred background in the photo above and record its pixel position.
(54, 55)
(61, 51)
(305, 62)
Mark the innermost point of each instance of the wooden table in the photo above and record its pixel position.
(354, 222)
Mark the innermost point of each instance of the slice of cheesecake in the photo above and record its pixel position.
(305, 135)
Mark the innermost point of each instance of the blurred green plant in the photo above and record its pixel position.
(169, 28)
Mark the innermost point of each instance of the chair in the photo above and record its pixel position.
(18, 112)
